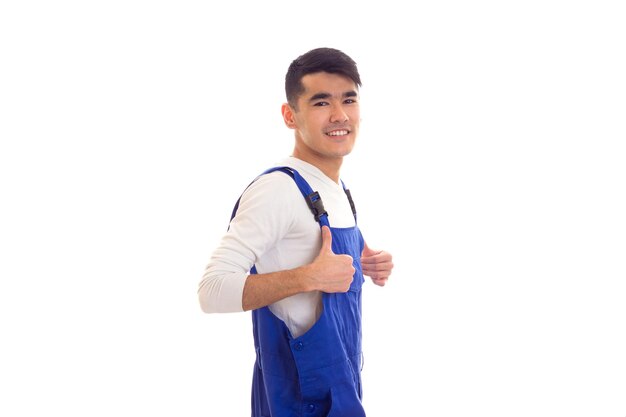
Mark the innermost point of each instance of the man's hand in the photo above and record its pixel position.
(330, 272)
(376, 264)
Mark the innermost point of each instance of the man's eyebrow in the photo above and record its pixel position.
(323, 96)
(319, 96)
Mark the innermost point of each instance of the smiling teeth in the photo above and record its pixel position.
(338, 133)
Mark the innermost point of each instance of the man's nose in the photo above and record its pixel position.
(338, 114)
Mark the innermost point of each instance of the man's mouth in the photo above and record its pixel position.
(337, 133)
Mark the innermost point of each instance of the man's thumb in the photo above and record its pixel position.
(327, 240)
(367, 251)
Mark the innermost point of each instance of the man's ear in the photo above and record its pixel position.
(288, 116)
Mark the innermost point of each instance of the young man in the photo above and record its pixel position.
(294, 255)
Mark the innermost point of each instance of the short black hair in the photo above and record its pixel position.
(327, 60)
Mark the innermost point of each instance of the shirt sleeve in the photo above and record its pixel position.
(264, 216)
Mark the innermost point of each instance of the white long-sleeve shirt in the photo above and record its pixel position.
(274, 229)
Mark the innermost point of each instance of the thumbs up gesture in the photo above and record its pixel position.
(330, 272)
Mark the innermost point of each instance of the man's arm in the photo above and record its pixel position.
(328, 273)
(263, 219)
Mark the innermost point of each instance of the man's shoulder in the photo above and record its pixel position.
(273, 188)
(276, 180)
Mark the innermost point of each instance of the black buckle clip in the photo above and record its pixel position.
(314, 202)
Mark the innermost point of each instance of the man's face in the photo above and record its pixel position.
(328, 116)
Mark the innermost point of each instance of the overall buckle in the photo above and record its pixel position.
(314, 201)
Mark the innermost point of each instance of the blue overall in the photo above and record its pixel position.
(318, 373)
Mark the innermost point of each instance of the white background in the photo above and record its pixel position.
(491, 163)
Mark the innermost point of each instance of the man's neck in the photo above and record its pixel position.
(329, 166)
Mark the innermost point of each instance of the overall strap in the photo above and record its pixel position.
(312, 198)
(349, 195)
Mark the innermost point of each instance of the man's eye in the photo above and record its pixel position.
(350, 101)
(321, 103)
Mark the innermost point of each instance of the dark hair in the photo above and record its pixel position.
(327, 60)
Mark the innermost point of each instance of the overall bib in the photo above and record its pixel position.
(317, 374)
